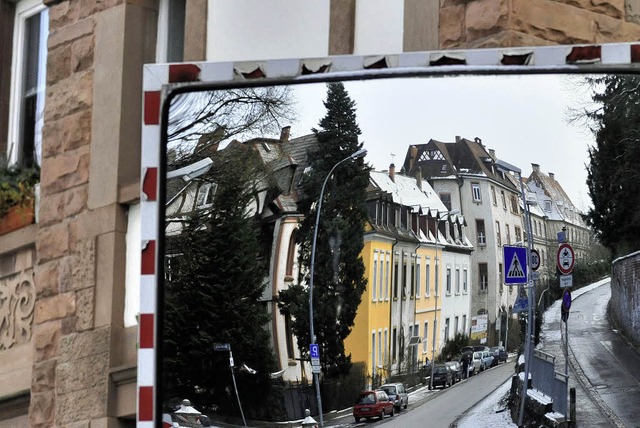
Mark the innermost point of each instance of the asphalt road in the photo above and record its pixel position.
(609, 365)
(441, 407)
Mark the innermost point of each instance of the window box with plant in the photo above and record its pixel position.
(17, 196)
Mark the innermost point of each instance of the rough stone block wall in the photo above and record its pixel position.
(625, 294)
(502, 23)
(71, 359)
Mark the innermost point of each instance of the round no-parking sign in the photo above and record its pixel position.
(566, 259)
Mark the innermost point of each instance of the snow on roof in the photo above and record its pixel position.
(405, 191)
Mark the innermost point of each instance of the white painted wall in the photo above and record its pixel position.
(379, 27)
(244, 30)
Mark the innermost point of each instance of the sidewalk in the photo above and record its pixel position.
(588, 413)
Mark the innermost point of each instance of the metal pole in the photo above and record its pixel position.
(359, 153)
(233, 376)
(566, 350)
(531, 313)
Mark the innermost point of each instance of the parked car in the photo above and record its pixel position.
(499, 354)
(480, 348)
(397, 394)
(466, 349)
(372, 404)
(456, 368)
(477, 363)
(487, 360)
(442, 376)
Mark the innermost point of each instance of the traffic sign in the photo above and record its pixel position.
(566, 281)
(221, 347)
(314, 350)
(566, 258)
(566, 305)
(535, 259)
(515, 265)
(521, 304)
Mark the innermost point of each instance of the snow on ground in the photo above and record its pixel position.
(490, 412)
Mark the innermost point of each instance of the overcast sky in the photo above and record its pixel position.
(523, 118)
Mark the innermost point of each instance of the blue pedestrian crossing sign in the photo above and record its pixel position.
(515, 265)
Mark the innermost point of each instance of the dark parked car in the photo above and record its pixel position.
(372, 404)
(397, 394)
(466, 349)
(499, 355)
(456, 368)
(442, 376)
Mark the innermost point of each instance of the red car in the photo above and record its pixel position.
(372, 404)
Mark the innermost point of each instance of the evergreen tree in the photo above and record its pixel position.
(612, 175)
(215, 281)
(339, 269)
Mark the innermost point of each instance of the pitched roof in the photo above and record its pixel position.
(441, 159)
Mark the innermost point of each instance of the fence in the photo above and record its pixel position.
(545, 379)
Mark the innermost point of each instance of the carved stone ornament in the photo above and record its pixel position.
(17, 303)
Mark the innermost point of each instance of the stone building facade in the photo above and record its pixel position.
(69, 360)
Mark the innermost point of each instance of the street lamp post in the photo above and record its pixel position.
(437, 290)
(360, 153)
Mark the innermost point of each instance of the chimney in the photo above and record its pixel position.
(458, 138)
(536, 167)
(419, 177)
(413, 156)
(551, 175)
(392, 172)
(284, 134)
(492, 153)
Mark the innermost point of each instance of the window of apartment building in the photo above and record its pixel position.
(427, 277)
(457, 281)
(547, 206)
(394, 343)
(514, 204)
(475, 192)
(448, 289)
(498, 235)
(395, 278)
(508, 235)
(387, 276)
(385, 359)
(446, 200)
(381, 278)
(464, 324)
(206, 192)
(437, 272)
(291, 256)
(379, 347)
(493, 196)
(373, 350)
(424, 337)
(414, 349)
(418, 278)
(504, 199)
(464, 282)
(518, 234)
(404, 275)
(288, 332)
(28, 78)
(171, 25)
(374, 288)
(413, 277)
(435, 331)
(500, 277)
(483, 276)
(481, 233)
(456, 325)
(446, 329)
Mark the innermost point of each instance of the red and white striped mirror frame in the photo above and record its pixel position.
(160, 79)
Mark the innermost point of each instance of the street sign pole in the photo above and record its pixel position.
(227, 347)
